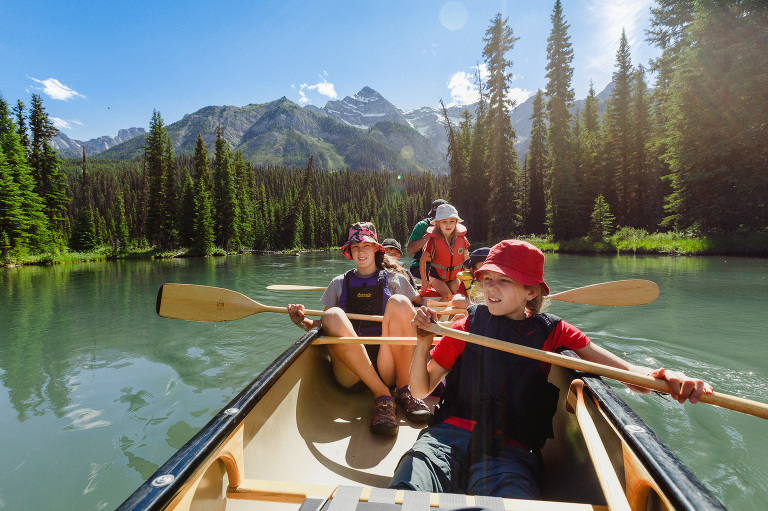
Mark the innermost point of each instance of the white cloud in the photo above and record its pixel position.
(518, 95)
(609, 17)
(323, 87)
(464, 88)
(463, 85)
(60, 123)
(54, 89)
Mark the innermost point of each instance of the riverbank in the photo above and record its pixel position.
(624, 241)
(637, 241)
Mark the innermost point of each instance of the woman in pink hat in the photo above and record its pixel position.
(376, 286)
(496, 410)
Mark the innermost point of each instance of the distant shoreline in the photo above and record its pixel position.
(658, 244)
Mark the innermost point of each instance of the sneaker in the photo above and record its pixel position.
(384, 421)
(415, 409)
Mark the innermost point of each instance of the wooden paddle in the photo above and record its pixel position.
(294, 287)
(723, 400)
(192, 302)
(616, 293)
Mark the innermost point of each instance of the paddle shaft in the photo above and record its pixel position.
(723, 400)
(616, 293)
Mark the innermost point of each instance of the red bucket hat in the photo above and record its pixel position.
(361, 232)
(518, 260)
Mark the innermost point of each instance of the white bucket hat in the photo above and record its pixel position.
(447, 211)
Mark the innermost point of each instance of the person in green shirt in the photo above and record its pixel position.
(419, 238)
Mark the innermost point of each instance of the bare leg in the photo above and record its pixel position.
(442, 288)
(350, 361)
(394, 362)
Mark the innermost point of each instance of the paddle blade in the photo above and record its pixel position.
(203, 303)
(617, 293)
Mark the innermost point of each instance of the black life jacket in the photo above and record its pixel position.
(501, 391)
(365, 296)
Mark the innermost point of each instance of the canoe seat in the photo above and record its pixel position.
(357, 498)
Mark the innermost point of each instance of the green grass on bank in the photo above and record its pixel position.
(637, 241)
(625, 241)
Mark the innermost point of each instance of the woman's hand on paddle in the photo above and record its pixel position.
(296, 312)
(682, 387)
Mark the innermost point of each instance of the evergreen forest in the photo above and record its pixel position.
(685, 153)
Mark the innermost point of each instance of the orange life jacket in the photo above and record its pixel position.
(448, 259)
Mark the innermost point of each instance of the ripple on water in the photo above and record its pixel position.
(84, 418)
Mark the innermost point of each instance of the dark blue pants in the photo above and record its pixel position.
(439, 462)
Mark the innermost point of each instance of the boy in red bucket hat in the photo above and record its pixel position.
(377, 286)
(496, 410)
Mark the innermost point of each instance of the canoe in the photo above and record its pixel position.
(294, 439)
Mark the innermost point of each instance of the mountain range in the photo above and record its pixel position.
(364, 131)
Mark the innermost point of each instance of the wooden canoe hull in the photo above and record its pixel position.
(294, 433)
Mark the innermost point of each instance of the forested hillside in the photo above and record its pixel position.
(689, 154)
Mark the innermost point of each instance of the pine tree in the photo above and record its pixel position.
(10, 211)
(646, 205)
(457, 164)
(21, 124)
(155, 166)
(32, 229)
(504, 211)
(601, 224)
(619, 131)
(170, 193)
(226, 212)
(186, 211)
(536, 168)
(83, 237)
(244, 186)
(121, 226)
(478, 186)
(564, 189)
(716, 129)
(202, 170)
(50, 183)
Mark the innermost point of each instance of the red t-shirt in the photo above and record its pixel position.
(449, 349)
(565, 335)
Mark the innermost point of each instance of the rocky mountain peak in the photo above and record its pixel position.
(364, 109)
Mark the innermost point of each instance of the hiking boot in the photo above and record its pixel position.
(384, 421)
(415, 409)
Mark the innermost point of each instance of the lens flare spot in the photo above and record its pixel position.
(453, 15)
(407, 152)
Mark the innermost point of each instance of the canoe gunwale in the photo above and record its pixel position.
(678, 483)
(186, 461)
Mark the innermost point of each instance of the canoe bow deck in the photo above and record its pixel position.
(294, 434)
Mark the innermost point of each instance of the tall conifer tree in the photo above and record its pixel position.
(226, 214)
(563, 203)
(504, 210)
(155, 163)
(536, 168)
(619, 131)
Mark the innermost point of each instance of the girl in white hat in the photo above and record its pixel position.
(447, 249)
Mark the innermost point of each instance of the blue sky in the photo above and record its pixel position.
(101, 66)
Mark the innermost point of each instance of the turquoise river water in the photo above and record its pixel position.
(97, 391)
